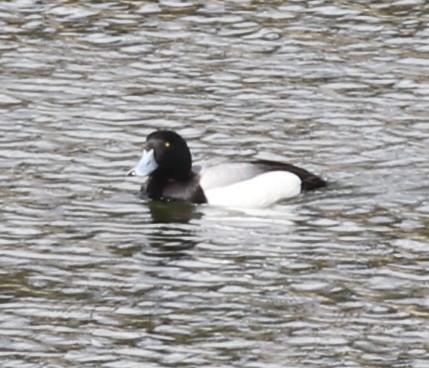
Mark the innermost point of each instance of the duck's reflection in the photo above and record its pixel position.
(173, 211)
(173, 232)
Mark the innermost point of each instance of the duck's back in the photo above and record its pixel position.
(220, 173)
(309, 181)
(254, 184)
(223, 173)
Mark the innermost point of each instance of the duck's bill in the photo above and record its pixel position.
(146, 165)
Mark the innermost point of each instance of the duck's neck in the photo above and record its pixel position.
(157, 183)
(180, 176)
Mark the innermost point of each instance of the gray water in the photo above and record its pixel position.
(93, 276)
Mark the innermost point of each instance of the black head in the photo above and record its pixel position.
(171, 154)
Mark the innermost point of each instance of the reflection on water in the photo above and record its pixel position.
(91, 275)
(173, 212)
(171, 234)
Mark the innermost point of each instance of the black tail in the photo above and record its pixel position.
(309, 180)
(312, 181)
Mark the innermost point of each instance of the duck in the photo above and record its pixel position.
(166, 161)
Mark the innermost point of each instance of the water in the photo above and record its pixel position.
(92, 276)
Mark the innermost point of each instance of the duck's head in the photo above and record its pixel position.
(165, 153)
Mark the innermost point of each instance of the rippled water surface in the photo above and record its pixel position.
(92, 276)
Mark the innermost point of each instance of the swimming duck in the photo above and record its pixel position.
(167, 162)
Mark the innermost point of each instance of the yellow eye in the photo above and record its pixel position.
(167, 144)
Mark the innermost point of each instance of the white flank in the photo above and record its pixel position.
(260, 191)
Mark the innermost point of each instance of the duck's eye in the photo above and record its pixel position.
(167, 144)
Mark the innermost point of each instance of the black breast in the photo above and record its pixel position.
(181, 190)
